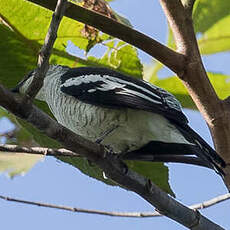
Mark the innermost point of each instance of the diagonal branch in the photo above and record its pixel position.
(45, 52)
(38, 150)
(202, 205)
(170, 58)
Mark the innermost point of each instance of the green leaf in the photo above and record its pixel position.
(156, 172)
(211, 19)
(121, 57)
(122, 19)
(16, 58)
(87, 168)
(20, 42)
(21, 135)
(220, 82)
(17, 163)
(207, 13)
(217, 38)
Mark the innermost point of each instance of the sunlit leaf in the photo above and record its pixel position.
(217, 38)
(122, 57)
(156, 172)
(17, 163)
(211, 20)
(207, 13)
(220, 82)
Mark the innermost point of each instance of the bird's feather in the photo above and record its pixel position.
(107, 88)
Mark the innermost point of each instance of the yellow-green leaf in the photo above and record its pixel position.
(17, 163)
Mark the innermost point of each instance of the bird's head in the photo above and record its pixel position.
(54, 71)
(23, 85)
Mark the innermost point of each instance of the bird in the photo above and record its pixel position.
(133, 118)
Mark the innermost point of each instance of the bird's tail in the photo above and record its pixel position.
(206, 156)
(206, 151)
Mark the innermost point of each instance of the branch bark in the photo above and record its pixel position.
(215, 112)
(202, 205)
(111, 165)
(45, 52)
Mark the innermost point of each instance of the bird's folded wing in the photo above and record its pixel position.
(110, 89)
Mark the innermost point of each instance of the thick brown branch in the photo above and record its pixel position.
(202, 205)
(45, 52)
(112, 167)
(168, 57)
(194, 77)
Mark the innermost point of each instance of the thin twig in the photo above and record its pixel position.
(211, 202)
(45, 52)
(63, 152)
(37, 150)
(202, 205)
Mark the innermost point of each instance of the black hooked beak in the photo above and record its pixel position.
(17, 87)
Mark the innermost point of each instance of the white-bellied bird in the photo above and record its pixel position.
(132, 117)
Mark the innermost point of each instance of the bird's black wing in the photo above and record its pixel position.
(107, 88)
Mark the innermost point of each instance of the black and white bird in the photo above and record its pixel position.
(134, 118)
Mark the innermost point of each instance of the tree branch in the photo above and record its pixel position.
(111, 165)
(45, 52)
(168, 57)
(38, 150)
(215, 112)
(193, 75)
(63, 152)
(202, 205)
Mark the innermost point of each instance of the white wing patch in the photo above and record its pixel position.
(135, 93)
(109, 83)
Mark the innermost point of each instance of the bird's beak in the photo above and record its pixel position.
(15, 89)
